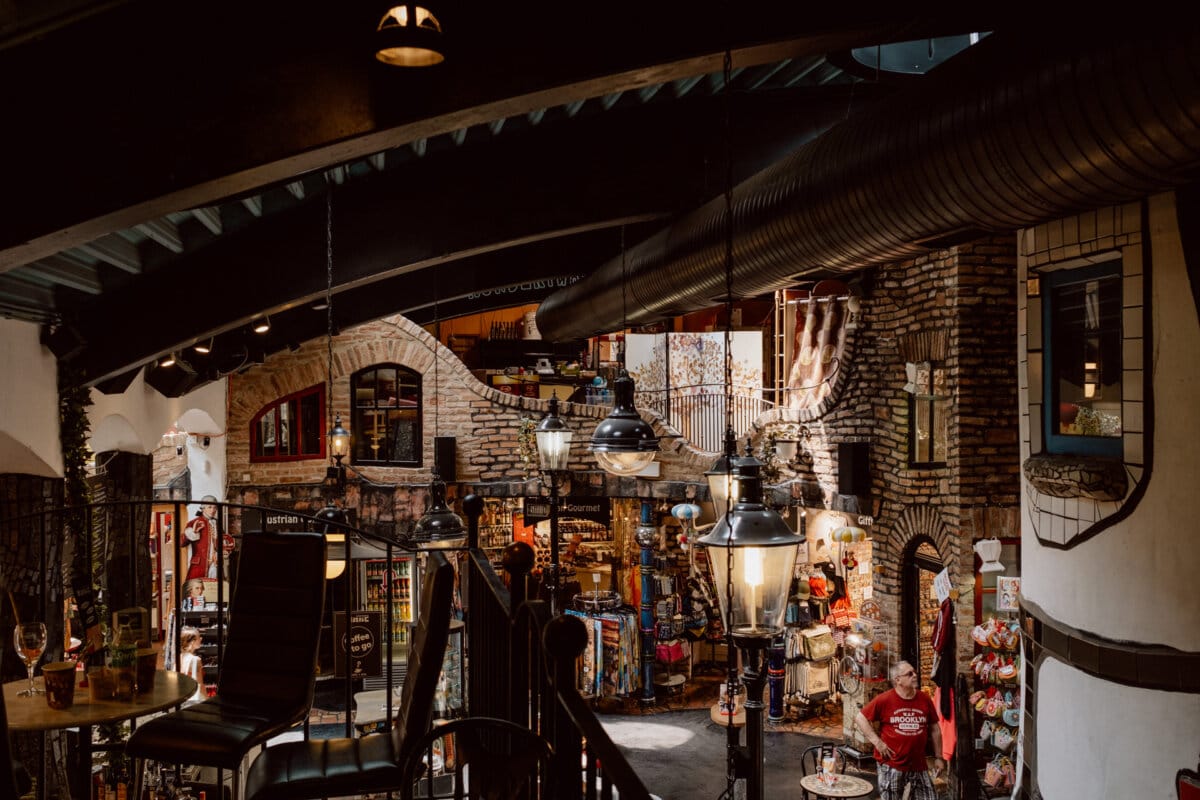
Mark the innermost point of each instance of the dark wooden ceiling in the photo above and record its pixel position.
(168, 168)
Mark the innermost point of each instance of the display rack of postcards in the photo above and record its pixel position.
(997, 700)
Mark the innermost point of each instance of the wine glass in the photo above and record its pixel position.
(30, 640)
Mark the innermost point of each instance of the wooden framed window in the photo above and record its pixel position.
(290, 429)
(387, 416)
(928, 414)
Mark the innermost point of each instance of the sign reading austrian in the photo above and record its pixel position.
(366, 657)
(595, 509)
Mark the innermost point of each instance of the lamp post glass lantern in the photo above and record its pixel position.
(763, 559)
(339, 440)
(554, 450)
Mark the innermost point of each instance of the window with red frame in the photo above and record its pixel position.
(291, 428)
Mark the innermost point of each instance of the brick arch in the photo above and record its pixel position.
(921, 520)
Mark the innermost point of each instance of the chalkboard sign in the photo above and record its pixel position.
(364, 642)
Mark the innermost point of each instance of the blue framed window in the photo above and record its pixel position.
(1081, 316)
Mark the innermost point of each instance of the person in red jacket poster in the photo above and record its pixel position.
(200, 537)
(907, 720)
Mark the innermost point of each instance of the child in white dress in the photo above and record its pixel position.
(189, 644)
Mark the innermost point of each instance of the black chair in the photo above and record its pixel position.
(811, 758)
(317, 768)
(268, 667)
(14, 780)
(504, 759)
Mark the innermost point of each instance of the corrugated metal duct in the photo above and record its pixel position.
(1016, 134)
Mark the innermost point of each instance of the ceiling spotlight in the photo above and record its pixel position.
(204, 348)
(168, 360)
(409, 35)
(262, 325)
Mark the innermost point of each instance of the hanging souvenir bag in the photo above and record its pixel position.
(840, 611)
(1002, 738)
(818, 643)
(993, 774)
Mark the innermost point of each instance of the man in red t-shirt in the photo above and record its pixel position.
(907, 720)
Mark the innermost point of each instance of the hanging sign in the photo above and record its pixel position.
(363, 639)
(595, 509)
(941, 585)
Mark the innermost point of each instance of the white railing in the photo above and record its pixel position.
(698, 411)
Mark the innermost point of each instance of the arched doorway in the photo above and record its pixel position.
(918, 603)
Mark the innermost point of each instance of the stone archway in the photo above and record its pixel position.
(896, 558)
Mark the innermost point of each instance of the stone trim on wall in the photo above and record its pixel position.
(1066, 500)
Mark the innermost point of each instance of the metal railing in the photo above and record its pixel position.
(531, 681)
(698, 411)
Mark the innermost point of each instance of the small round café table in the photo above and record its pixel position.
(845, 786)
(33, 714)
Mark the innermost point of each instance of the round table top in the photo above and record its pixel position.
(846, 786)
(32, 713)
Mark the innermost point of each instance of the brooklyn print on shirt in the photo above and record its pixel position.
(908, 721)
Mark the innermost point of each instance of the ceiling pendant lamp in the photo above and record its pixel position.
(623, 442)
(409, 35)
(439, 527)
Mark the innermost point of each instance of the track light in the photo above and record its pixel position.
(263, 325)
(204, 348)
(168, 360)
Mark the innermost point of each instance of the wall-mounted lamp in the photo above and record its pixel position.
(791, 451)
(263, 324)
(409, 35)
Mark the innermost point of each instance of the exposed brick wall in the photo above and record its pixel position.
(484, 421)
(969, 293)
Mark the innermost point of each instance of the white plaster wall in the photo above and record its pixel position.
(1103, 740)
(1136, 580)
(207, 467)
(148, 414)
(28, 403)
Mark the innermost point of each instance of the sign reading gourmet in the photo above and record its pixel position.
(596, 509)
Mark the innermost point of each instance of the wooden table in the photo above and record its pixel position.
(846, 786)
(33, 714)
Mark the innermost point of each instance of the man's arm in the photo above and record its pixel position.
(935, 733)
(868, 730)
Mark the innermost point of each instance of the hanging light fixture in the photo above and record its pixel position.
(336, 548)
(751, 550)
(439, 526)
(409, 35)
(339, 437)
(623, 442)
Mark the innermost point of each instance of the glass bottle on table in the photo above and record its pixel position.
(124, 663)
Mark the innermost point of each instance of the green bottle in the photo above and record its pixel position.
(124, 663)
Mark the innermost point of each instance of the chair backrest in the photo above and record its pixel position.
(810, 760)
(426, 652)
(506, 760)
(270, 655)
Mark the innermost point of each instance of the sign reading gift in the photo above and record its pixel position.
(361, 637)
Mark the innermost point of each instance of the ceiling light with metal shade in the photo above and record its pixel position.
(623, 442)
(409, 35)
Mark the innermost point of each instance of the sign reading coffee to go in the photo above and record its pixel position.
(596, 509)
(363, 639)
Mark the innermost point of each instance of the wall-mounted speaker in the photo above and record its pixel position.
(854, 468)
(444, 458)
